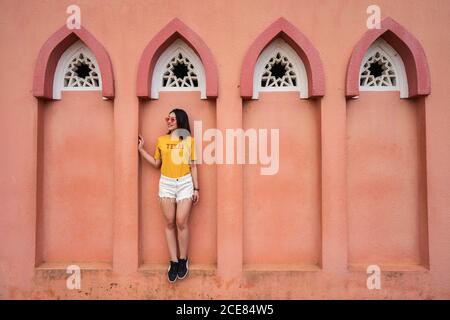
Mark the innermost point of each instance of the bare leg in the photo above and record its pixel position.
(182, 217)
(169, 209)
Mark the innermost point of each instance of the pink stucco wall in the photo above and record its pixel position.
(75, 182)
(361, 181)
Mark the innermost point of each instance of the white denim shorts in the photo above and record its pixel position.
(178, 189)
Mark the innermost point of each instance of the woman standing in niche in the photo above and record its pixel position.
(178, 186)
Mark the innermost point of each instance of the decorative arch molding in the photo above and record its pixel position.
(407, 46)
(282, 28)
(174, 30)
(53, 49)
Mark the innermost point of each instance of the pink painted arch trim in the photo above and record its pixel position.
(51, 52)
(406, 45)
(299, 42)
(173, 30)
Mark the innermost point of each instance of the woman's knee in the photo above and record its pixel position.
(182, 224)
(170, 224)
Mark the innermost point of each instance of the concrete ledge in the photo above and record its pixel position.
(83, 266)
(389, 268)
(194, 269)
(281, 268)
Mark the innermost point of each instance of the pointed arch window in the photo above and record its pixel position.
(178, 69)
(180, 73)
(77, 70)
(279, 69)
(382, 69)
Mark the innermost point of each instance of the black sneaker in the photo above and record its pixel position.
(183, 268)
(172, 271)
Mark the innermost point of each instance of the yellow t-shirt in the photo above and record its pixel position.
(175, 155)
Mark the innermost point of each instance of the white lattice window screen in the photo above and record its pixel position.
(178, 69)
(378, 71)
(279, 68)
(279, 72)
(383, 70)
(180, 73)
(77, 70)
(81, 72)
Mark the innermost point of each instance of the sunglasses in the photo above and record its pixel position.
(171, 119)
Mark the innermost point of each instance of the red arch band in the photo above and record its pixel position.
(299, 42)
(173, 30)
(406, 45)
(51, 52)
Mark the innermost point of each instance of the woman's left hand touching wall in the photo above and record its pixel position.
(140, 142)
(155, 163)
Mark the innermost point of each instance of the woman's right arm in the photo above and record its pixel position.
(154, 162)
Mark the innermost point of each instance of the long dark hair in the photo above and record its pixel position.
(182, 120)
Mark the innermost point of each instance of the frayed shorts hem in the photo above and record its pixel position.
(172, 199)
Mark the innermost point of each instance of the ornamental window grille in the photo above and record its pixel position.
(278, 69)
(180, 73)
(81, 72)
(178, 69)
(382, 69)
(77, 70)
(279, 72)
(378, 71)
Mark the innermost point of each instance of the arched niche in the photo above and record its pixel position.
(73, 85)
(161, 88)
(282, 210)
(386, 153)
